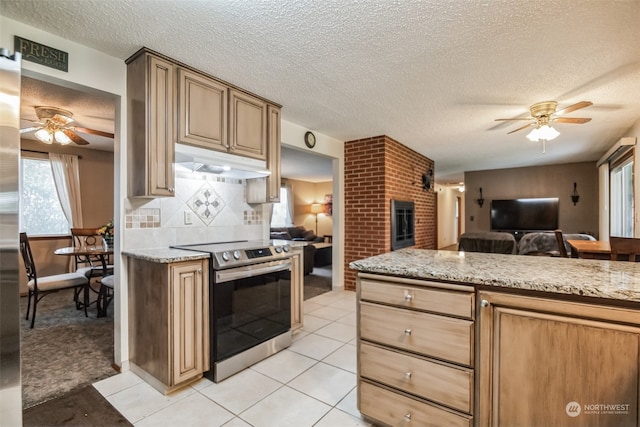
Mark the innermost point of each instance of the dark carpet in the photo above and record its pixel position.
(318, 282)
(82, 407)
(65, 351)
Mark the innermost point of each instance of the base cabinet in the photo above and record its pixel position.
(550, 363)
(415, 352)
(169, 335)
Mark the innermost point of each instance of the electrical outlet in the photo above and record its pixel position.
(187, 218)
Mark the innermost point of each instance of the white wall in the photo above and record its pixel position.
(447, 221)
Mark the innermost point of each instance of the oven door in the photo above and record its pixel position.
(249, 305)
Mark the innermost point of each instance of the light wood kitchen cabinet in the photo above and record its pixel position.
(202, 111)
(168, 314)
(247, 125)
(415, 351)
(297, 289)
(151, 108)
(549, 363)
(273, 154)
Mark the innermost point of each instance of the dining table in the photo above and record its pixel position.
(590, 249)
(102, 252)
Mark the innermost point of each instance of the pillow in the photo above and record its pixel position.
(296, 231)
(279, 235)
(309, 235)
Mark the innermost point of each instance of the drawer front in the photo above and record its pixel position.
(443, 384)
(438, 301)
(442, 337)
(397, 410)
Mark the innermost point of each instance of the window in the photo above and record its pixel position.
(621, 198)
(40, 210)
(281, 211)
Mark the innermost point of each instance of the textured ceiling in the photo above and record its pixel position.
(431, 74)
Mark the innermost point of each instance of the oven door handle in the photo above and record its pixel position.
(251, 270)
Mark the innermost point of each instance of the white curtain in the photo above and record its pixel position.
(66, 175)
(290, 201)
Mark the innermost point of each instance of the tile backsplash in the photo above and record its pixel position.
(205, 208)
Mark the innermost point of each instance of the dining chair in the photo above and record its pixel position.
(561, 247)
(39, 287)
(105, 294)
(628, 247)
(89, 265)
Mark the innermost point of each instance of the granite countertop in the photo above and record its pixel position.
(592, 278)
(165, 255)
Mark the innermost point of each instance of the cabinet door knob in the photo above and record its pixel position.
(407, 375)
(484, 303)
(407, 417)
(407, 332)
(171, 189)
(199, 271)
(407, 296)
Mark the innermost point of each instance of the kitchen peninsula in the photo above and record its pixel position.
(464, 339)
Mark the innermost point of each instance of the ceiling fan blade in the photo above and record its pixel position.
(75, 137)
(574, 120)
(93, 132)
(574, 107)
(25, 130)
(520, 128)
(504, 120)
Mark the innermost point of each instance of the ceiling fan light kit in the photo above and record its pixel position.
(54, 127)
(543, 114)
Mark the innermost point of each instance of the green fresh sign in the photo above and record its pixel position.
(41, 54)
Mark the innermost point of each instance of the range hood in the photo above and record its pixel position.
(196, 159)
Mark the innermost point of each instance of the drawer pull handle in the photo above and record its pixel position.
(407, 375)
(407, 296)
(407, 332)
(484, 303)
(407, 417)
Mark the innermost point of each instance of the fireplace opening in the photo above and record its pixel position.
(402, 224)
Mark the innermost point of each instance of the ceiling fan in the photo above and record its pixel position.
(54, 126)
(543, 114)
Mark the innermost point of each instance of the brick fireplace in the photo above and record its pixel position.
(376, 171)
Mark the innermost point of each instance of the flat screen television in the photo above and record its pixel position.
(524, 214)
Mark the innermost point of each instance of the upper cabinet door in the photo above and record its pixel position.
(202, 111)
(273, 157)
(247, 125)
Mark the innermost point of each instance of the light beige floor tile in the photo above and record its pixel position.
(330, 313)
(348, 304)
(349, 319)
(117, 383)
(193, 410)
(325, 383)
(311, 323)
(315, 346)
(338, 331)
(343, 358)
(285, 408)
(240, 391)
(237, 422)
(350, 403)
(310, 305)
(142, 400)
(298, 335)
(284, 366)
(202, 383)
(336, 418)
(327, 298)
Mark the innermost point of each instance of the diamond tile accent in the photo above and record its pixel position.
(206, 203)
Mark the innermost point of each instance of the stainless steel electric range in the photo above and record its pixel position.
(249, 303)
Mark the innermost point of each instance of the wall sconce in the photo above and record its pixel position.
(575, 196)
(481, 199)
(316, 208)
